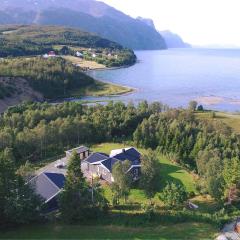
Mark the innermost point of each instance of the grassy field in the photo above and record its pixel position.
(193, 231)
(84, 63)
(168, 172)
(102, 89)
(230, 119)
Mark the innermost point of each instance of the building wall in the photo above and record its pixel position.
(100, 171)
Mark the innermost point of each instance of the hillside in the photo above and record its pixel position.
(38, 79)
(29, 40)
(173, 40)
(91, 16)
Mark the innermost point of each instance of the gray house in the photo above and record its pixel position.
(101, 165)
(48, 186)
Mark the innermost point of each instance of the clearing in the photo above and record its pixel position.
(230, 119)
(91, 65)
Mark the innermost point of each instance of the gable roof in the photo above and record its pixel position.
(57, 179)
(130, 154)
(79, 150)
(96, 158)
(108, 163)
(47, 185)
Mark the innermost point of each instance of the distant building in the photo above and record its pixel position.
(51, 54)
(94, 55)
(82, 151)
(48, 186)
(45, 55)
(79, 54)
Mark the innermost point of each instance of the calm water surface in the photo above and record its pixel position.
(177, 76)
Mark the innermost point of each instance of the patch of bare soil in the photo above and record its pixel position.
(23, 92)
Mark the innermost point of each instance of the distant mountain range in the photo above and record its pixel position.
(173, 40)
(89, 15)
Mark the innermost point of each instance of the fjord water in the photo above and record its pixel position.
(174, 77)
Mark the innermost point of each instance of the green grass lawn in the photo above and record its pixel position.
(168, 172)
(230, 119)
(193, 231)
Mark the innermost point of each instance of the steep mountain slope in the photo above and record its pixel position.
(173, 40)
(147, 21)
(88, 15)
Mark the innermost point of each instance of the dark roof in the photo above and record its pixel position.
(96, 157)
(108, 163)
(57, 179)
(130, 154)
(47, 185)
(79, 150)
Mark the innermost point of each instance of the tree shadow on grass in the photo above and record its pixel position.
(165, 171)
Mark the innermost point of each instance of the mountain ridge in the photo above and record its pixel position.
(88, 15)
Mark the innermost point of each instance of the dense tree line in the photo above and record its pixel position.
(202, 145)
(52, 77)
(37, 131)
(18, 202)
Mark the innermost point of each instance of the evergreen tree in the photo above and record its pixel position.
(18, 202)
(75, 198)
(149, 173)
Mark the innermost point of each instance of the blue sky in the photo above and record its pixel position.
(199, 22)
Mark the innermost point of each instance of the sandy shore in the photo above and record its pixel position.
(212, 100)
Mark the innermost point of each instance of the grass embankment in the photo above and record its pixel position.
(100, 89)
(193, 231)
(230, 119)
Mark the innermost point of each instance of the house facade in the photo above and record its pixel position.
(101, 165)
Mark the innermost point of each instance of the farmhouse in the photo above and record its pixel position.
(49, 181)
(101, 165)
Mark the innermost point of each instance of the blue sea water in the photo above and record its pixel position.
(174, 77)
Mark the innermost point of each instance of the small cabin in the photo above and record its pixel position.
(82, 151)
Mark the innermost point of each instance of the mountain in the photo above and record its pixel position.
(173, 40)
(147, 21)
(88, 15)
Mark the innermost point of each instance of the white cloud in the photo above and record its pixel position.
(197, 21)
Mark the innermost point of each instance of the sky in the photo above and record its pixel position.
(199, 22)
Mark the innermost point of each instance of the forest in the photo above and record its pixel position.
(53, 77)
